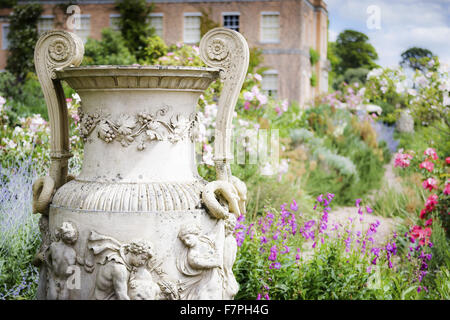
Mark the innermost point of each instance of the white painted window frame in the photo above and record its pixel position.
(189, 14)
(269, 13)
(111, 16)
(5, 36)
(46, 16)
(161, 15)
(272, 72)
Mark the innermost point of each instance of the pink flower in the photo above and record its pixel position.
(447, 188)
(429, 222)
(447, 160)
(246, 105)
(248, 96)
(430, 184)
(402, 160)
(431, 202)
(431, 153)
(427, 165)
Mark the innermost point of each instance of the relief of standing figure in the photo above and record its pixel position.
(231, 287)
(201, 262)
(60, 256)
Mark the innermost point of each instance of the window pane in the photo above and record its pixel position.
(231, 22)
(269, 84)
(270, 28)
(44, 24)
(5, 31)
(191, 29)
(157, 23)
(85, 28)
(114, 22)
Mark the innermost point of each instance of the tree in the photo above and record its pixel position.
(413, 58)
(134, 25)
(23, 35)
(354, 51)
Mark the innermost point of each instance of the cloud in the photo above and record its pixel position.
(404, 24)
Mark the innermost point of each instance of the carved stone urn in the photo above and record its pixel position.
(138, 222)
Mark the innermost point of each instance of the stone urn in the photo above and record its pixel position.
(138, 222)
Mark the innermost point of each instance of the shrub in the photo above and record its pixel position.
(110, 50)
(22, 37)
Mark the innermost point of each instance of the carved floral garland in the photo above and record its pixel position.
(143, 127)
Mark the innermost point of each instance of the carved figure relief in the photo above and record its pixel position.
(231, 287)
(60, 256)
(201, 262)
(144, 127)
(122, 271)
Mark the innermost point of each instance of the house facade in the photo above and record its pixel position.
(285, 30)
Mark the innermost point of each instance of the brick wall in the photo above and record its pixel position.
(303, 24)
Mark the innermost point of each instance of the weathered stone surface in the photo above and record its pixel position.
(138, 222)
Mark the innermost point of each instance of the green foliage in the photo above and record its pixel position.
(313, 79)
(134, 25)
(334, 64)
(351, 76)
(22, 37)
(206, 23)
(17, 275)
(7, 3)
(154, 49)
(313, 56)
(413, 58)
(256, 59)
(354, 51)
(110, 50)
(347, 160)
(26, 99)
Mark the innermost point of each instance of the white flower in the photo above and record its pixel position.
(9, 143)
(258, 77)
(285, 105)
(412, 92)
(17, 131)
(399, 87)
(383, 89)
(266, 170)
(36, 122)
(422, 81)
(261, 98)
(374, 73)
(2, 101)
(248, 96)
(76, 97)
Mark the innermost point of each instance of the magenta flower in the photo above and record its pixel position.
(447, 188)
(402, 160)
(430, 184)
(427, 165)
(369, 209)
(431, 153)
(294, 206)
(357, 202)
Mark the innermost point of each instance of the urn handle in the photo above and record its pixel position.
(54, 50)
(228, 51)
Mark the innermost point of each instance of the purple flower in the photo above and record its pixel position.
(320, 198)
(294, 206)
(273, 253)
(357, 202)
(368, 209)
(275, 265)
(263, 239)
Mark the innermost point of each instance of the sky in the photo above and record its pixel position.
(394, 26)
